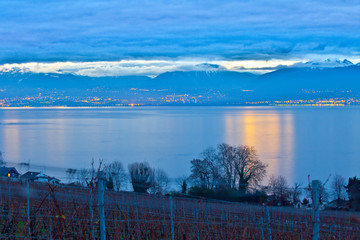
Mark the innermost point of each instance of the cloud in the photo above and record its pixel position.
(88, 30)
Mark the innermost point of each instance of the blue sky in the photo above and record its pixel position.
(178, 32)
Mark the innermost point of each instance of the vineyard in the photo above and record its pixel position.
(44, 211)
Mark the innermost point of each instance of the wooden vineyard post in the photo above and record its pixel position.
(101, 206)
(262, 228)
(172, 219)
(197, 223)
(267, 213)
(91, 204)
(9, 196)
(315, 190)
(28, 206)
(50, 219)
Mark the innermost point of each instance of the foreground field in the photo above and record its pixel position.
(63, 212)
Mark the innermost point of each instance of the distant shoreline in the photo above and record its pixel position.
(205, 105)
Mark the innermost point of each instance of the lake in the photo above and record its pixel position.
(293, 141)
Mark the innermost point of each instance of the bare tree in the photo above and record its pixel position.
(202, 173)
(338, 188)
(206, 172)
(84, 176)
(232, 167)
(161, 182)
(142, 176)
(248, 167)
(179, 182)
(280, 190)
(182, 183)
(210, 157)
(296, 192)
(116, 172)
(71, 172)
(226, 157)
(241, 166)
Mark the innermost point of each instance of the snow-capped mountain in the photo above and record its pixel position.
(325, 64)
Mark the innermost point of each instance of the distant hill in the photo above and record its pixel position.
(196, 80)
(286, 83)
(294, 81)
(67, 81)
(33, 83)
(169, 80)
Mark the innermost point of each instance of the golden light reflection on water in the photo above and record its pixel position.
(270, 132)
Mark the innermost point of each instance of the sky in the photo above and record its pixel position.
(142, 37)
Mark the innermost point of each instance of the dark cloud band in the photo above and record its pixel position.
(88, 30)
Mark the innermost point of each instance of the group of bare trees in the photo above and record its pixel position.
(238, 167)
(226, 166)
(114, 173)
(282, 193)
(142, 177)
(279, 189)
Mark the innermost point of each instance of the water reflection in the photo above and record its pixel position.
(271, 133)
(12, 138)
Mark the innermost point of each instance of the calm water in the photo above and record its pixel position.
(294, 142)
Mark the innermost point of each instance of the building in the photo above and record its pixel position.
(39, 177)
(9, 172)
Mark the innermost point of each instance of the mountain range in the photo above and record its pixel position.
(296, 82)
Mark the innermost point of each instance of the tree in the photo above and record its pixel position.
(201, 174)
(226, 157)
(109, 183)
(338, 188)
(206, 172)
(71, 174)
(324, 195)
(353, 190)
(182, 184)
(117, 173)
(160, 182)
(184, 187)
(84, 176)
(249, 168)
(241, 166)
(142, 176)
(296, 192)
(280, 190)
(228, 167)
